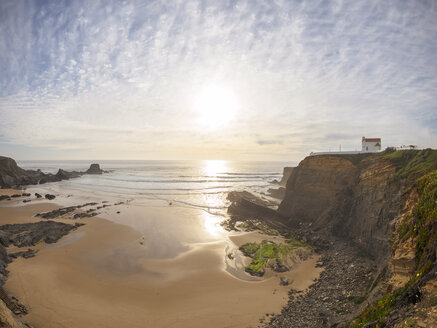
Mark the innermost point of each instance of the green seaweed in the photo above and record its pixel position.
(267, 251)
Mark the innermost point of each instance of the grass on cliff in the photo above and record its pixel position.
(413, 163)
(268, 252)
(410, 163)
(421, 225)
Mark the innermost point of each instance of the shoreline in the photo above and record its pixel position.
(100, 271)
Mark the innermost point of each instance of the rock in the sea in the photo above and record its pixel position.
(94, 169)
(50, 197)
(37, 195)
(11, 175)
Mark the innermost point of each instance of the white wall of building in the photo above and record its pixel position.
(370, 144)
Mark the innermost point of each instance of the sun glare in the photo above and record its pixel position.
(216, 106)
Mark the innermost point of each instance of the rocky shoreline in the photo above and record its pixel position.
(13, 176)
(348, 272)
(23, 236)
(334, 299)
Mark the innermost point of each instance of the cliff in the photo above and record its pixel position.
(354, 196)
(386, 204)
(286, 175)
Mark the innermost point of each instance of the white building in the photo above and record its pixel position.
(370, 144)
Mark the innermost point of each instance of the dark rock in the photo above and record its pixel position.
(284, 282)
(25, 254)
(3, 197)
(56, 213)
(65, 175)
(29, 234)
(15, 195)
(27, 200)
(50, 197)
(276, 193)
(37, 195)
(248, 208)
(259, 273)
(24, 194)
(11, 175)
(94, 169)
(84, 215)
(278, 266)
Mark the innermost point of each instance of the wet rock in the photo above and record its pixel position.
(27, 200)
(259, 273)
(25, 194)
(24, 254)
(4, 197)
(49, 196)
(29, 234)
(15, 195)
(84, 215)
(57, 213)
(38, 195)
(277, 266)
(284, 282)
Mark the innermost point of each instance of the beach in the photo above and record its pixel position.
(121, 269)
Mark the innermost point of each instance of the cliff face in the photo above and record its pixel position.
(386, 204)
(355, 196)
(355, 201)
(286, 175)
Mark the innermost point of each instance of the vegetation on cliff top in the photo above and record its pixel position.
(412, 164)
(421, 225)
(409, 163)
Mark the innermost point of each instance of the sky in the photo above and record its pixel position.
(237, 80)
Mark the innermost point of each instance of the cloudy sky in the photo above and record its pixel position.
(246, 80)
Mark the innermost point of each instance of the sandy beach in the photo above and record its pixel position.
(100, 276)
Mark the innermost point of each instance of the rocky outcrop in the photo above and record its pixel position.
(23, 235)
(11, 175)
(29, 234)
(95, 169)
(276, 193)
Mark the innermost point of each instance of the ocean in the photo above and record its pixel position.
(174, 204)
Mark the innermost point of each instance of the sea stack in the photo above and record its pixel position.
(94, 169)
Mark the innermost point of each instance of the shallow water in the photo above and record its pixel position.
(174, 204)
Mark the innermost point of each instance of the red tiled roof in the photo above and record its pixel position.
(372, 139)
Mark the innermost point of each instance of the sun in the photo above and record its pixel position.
(216, 105)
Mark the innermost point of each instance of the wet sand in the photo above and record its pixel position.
(101, 276)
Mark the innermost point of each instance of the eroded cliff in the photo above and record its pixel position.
(386, 204)
(350, 198)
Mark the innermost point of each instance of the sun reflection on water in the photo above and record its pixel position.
(212, 224)
(212, 168)
(214, 201)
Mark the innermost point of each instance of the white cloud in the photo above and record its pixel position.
(303, 69)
